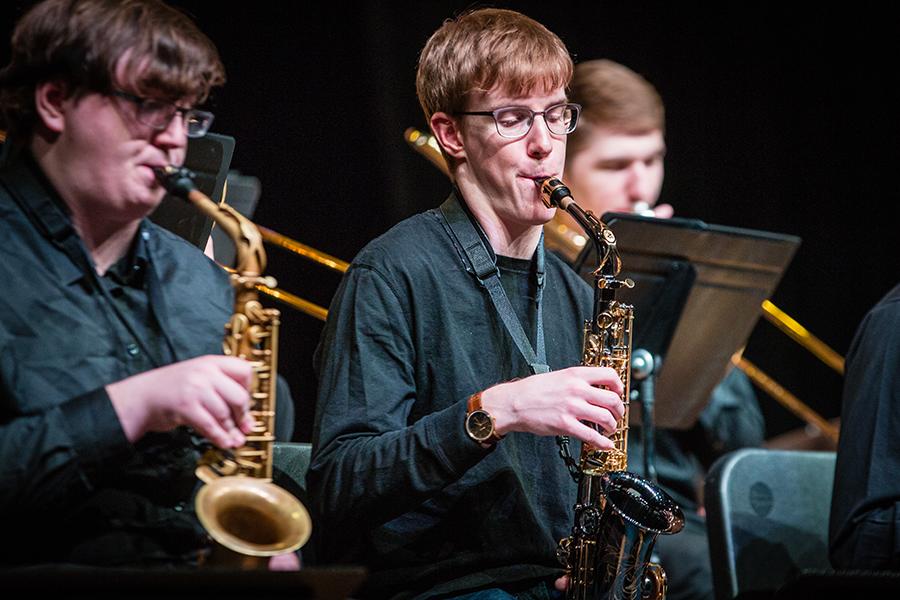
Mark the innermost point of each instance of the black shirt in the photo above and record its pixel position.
(396, 484)
(864, 532)
(72, 488)
(124, 286)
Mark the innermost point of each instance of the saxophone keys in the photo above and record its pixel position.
(564, 552)
(588, 521)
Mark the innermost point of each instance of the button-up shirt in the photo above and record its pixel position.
(72, 488)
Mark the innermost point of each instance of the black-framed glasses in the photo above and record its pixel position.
(158, 114)
(515, 121)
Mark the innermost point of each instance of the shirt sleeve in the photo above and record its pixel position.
(865, 508)
(51, 459)
(370, 456)
(733, 418)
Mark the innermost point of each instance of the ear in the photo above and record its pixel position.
(49, 97)
(448, 135)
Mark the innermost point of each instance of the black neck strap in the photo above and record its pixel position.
(481, 261)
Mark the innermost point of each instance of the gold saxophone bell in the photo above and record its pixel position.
(252, 517)
(248, 515)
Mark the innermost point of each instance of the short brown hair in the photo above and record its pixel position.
(81, 42)
(612, 95)
(485, 49)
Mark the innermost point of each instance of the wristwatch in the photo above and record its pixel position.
(480, 423)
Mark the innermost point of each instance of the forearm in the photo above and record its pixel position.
(384, 439)
(358, 471)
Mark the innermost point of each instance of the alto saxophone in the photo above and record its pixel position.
(239, 506)
(618, 514)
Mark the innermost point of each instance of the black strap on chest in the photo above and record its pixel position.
(482, 262)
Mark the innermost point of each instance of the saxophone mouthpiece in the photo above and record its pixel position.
(643, 209)
(553, 192)
(178, 181)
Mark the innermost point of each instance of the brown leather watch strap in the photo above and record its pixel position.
(475, 404)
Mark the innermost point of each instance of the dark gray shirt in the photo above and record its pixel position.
(72, 488)
(395, 482)
(865, 506)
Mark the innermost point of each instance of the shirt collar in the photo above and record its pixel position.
(130, 270)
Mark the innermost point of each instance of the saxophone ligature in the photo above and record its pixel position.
(618, 515)
(249, 516)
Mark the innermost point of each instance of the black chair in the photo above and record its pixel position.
(767, 515)
(290, 463)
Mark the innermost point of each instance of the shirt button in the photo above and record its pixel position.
(132, 349)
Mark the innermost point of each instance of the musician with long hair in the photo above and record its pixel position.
(110, 327)
(446, 365)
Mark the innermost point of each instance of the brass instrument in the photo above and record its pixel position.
(618, 515)
(239, 506)
(569, 243)
(428, 147)
(326, 260)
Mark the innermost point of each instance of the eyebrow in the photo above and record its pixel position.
(513, 104)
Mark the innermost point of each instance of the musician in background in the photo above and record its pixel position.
(110, 327)
(434, 460)
(615, 163)
(863, 533)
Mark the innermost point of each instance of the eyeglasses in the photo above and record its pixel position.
(158, 114)
(515, 121)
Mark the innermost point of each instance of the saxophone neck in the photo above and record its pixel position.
(555, 193)
(249, 250)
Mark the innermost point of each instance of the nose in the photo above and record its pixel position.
(638, 185)
(539, 142)
(174, 136)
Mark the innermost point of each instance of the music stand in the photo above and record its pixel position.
(209, 157)
(697, 295)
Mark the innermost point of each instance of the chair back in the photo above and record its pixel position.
(767, 516)
(291, 462)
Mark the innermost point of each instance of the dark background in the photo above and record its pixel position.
(779, 119)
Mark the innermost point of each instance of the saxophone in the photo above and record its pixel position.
(618, 514)
(248, 515)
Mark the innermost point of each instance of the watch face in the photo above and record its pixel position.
(480, 425)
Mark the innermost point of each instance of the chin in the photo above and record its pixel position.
(541, 216)
(146, 202)
(154, 202)
(547, 215)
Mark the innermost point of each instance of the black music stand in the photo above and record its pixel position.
(697, 295)
(209, 157)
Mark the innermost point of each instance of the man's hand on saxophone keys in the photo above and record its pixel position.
(208, 393)
(558, 403)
